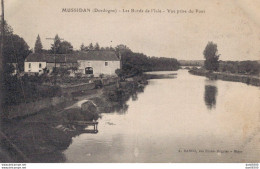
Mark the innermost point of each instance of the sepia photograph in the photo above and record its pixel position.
(140, 81)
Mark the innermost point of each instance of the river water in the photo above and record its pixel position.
(185, 119)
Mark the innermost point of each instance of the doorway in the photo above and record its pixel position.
(89, 70)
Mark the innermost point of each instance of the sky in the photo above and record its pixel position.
(234, 25)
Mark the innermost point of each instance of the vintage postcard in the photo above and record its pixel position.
(140, 81)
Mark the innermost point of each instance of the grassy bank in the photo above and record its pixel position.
(248, 79)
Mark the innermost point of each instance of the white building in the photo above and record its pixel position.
(94, 62)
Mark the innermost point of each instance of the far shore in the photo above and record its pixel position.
(160, 75)
(248, 79)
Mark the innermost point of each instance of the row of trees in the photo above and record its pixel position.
(58, 47)
(212, 63)
(93, 47)
(136, 63)
(242, 67)
(64, 47)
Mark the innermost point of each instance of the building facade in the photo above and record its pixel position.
(34, 67)
(88, 63)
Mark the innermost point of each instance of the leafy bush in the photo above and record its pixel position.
(101, 75)
(27, 89)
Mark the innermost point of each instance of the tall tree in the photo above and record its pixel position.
(97, 47)
(111, 48)
(122, 48)
(7, 29)
(15, 48)
(55, 47)
(61, 47)
(38, 45)
(82, 47)
(211, 55)
(65, 47)
(90, 46)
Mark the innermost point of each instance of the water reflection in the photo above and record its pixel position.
(171, 114)
(180, 111)
(119, 97)
(210, 96)
(120, 108)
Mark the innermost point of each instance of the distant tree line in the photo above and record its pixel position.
(240, 67)
(191, 62)
(136, 63)
(64, 47)
(94, 47)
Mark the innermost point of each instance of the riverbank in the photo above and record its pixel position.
(152, 75)
(43, 135)
(67, 94)
(217, 111)
(248, 79)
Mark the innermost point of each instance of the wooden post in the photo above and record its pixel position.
(55, 67)
(2, 92)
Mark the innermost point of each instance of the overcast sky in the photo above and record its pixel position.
(233, 24)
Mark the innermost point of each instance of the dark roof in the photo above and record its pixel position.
(97, 55)
(60, 58)
(73, 57)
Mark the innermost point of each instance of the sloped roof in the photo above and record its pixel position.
(60, 58)
(72, 58)
(97, 55)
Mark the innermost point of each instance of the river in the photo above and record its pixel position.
(185, 119)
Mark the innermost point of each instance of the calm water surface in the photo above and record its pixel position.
(188, 113)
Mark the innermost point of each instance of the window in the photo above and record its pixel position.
(106, 63)
(40, 65)
(29, 65)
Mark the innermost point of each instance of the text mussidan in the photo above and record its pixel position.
(88, 10)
